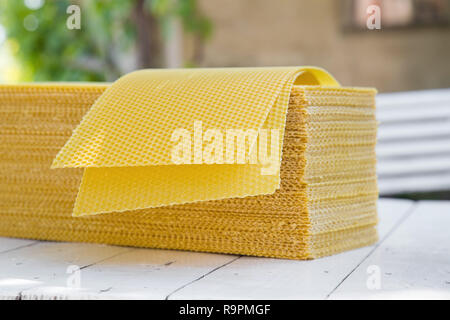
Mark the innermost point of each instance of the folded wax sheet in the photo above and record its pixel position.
(124, 141)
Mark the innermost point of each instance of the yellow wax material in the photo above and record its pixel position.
(326, 202)
(124, 141)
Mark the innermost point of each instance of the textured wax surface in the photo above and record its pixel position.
(326, 202)
(124, 139)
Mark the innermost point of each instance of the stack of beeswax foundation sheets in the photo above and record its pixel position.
(274, 162)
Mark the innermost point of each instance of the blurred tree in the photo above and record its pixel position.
(115, 36)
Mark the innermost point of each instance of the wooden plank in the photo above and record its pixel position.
(407, 149)
(138, 274)
(412, 99)
(413, 166)
(415, 131)
(437, 111)
(262, 278)
(46, 263)
(425, 183)
(412, 263)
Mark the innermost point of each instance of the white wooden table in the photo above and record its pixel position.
(411, 260)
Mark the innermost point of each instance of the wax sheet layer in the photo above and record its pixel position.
(124, 140)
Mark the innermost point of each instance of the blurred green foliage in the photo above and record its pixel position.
(100, 50)
(193, 21)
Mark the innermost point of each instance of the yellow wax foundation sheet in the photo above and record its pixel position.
(125, 142)
(121, 156)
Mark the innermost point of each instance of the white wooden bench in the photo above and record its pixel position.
(413, 148)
